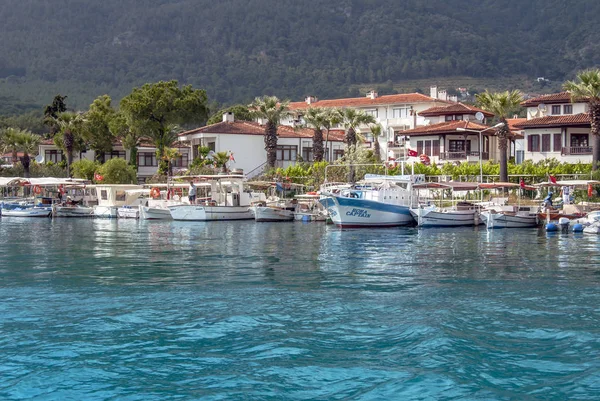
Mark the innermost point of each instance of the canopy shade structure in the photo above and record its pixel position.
(498, 185)
(455, 186)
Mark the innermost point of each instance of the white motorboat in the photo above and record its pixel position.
(461, 214)
(72, 211)
(510, 217)
(161, 196)
(128, 212)
(34, 211)
(112, 197)
(272, 213)
(377, 201)
(228, 200)
(308, 208)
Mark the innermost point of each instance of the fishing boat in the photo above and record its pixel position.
(160, 197)
(272, 213)
(112, 197)
(459, 214)
(26, 211)
(70, 210)
(229, 200)
(510, 217)
(308, 208)
(376, 201)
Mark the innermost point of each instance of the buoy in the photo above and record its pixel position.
(578, 228)
(551, 227)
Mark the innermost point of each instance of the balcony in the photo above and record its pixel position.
(464, 155)
(576, 150)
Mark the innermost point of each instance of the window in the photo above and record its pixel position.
(435, 148)
(120, 196)
(533, 143)
(400, 112)
(556, 109)
(448, 118)
(458, 117)
(420, 147)
(181, 161)
(546, 143)
(579, 140)
(459, 146)
(103, 194)
(307, 154)
(557, 142)
(115, 154)
(371, 112)
(287, 152)
(428, 148)
(568, 109)
(147, 159)
(338, 154)
(54, 156)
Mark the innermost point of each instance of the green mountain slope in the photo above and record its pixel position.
(239, 49)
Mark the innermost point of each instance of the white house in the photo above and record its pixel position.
(146, 156)
(556, 128)
(395, 113)
(245, 139)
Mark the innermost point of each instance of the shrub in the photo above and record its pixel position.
(117, 171)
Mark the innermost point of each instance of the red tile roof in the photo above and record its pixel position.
(404, 98)
(253, 128)
(446, 127)
(562, 97)
(456, 108)
(581, 119)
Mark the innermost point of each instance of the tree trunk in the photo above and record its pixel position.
(595, 133)
(101, 157)
(15, 157)
(26, 162)
(271, 144)
(502, 147)
(133, 157)
(350, 137)
(377, 149)
(69, 161)
(318, 145)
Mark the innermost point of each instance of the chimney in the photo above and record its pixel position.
(372, 95)
(310, 99)
(442, 95)
(433, 92)
(228, 117)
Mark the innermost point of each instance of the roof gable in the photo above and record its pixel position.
(403, 98)
(562, 97)
(456, 108)
(581, 119)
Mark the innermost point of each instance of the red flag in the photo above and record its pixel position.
(412, 153)
(552, 179)
(98, 177)
(231, 157)
(522, 183)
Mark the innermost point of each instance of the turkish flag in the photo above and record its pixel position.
(552, 179)
(98, 177)
(522, 183)
(412, 153)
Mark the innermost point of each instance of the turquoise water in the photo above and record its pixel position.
(127, 310)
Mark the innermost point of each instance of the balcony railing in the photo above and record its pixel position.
(463, 155)
(577, 150)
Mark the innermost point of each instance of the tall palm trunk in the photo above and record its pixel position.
(503, 148)
(68, 142)
(595, 131)
(15, 156)
(271, 144)
(318, 145)
(26, 162)
(351, 137)
(377, 149)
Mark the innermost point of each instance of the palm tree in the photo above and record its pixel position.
(130, 138)
(271, 109)
(502, 105)
(221, 159)
(376, 131)
(331, 117)
(351, 119)
(163, 139)
(315, 118)
(10, 142)
(587, 88)
(71, 127)
(28, 144)
(170, 154)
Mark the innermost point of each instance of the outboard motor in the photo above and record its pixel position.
(563, 222)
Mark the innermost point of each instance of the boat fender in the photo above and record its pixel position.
(37, 189)
(551, 227)
(578, 228)
(155, 193)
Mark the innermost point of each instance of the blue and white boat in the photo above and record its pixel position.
(377, 201)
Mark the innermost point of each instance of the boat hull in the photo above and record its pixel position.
(210, 213)
(445, 218)
(126, 212)
(300, 216)
(155, 213)
(106, 212)
(31, 212)
(504, 220)
(269, 214)
(69, 211)
(355, 213)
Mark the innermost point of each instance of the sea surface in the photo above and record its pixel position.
(137, 310)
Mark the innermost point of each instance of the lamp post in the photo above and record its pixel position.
(480, 144)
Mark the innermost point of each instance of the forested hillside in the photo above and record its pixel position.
(239, 49)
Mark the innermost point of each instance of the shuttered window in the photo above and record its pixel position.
(557, 142)
(546, 143)
(427, 148)
(436, 148)
(533, 143)
(420, 147)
